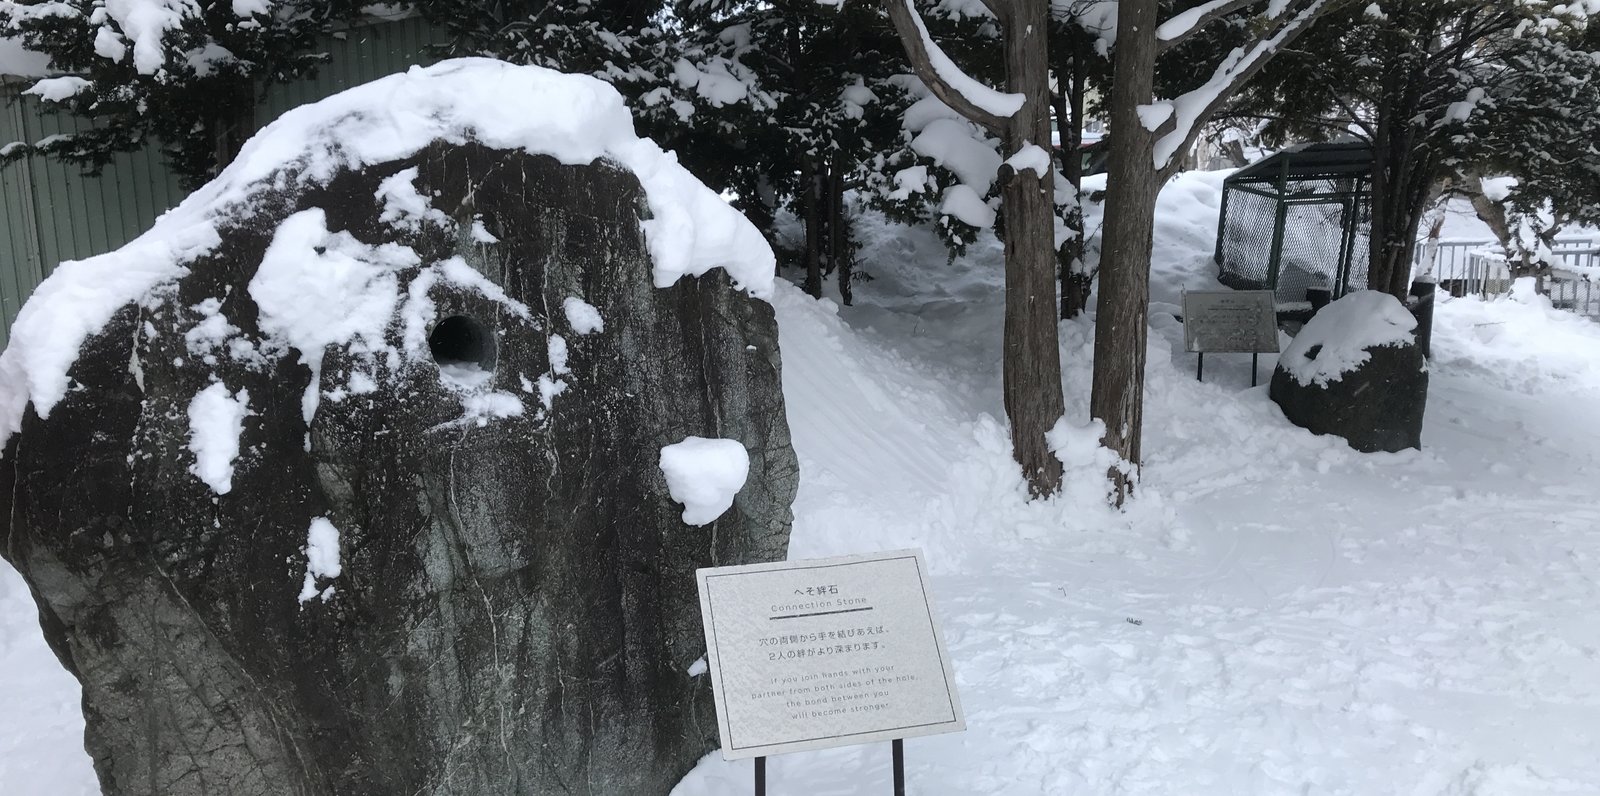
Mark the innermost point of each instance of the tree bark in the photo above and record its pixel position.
(841, 255)
(231, 126)
(813, 202)
(1076, 280)
(1031, 358)
(1117, 397)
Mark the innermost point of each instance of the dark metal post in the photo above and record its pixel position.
(899, 767)
(1422, 294)
(761, 776)
(1254, 366)
(1200, 367)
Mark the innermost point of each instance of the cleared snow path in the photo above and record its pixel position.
(1275, 614)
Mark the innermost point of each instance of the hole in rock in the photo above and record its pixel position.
(464, 350)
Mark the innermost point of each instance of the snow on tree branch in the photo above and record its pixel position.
(1186, 24)
(146, 23)
(1190, 110)
(948, 82)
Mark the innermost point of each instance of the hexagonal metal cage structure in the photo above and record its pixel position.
(1298, 220)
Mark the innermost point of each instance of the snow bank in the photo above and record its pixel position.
(1336, 340)
(704, 475)
(1521, 345)
(576, 119)
(216, 420)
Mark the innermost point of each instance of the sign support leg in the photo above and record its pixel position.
(1200, 367)
(899, 751)
(1254, 367)
(761, 776)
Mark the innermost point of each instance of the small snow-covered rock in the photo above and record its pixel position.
(1340, 338)
(1356, 371)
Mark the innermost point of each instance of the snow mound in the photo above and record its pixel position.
(580, 120)
(1336, 340)
(705, 475)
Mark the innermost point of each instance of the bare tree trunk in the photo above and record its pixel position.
(1492, 214)
(231, 126)
(813, 202)
(1234, 151)
(840, 254)
(1076, 280)
(1031, 356)
(1117, 398)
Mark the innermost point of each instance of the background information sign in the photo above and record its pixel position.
(826, 652)
(1230, 321)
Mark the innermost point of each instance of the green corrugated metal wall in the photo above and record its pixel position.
(51, 212)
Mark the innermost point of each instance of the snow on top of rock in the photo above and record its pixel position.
(216, 421)
(1337, 338)
(322, 559)
(582, 316)
(704, 475)
(575, 119)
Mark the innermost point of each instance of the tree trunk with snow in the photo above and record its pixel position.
(1032, 358)
(1132, 183)
(1032, 363)
(1141, 160)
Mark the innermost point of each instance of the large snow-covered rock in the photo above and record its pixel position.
(1355, 371)
(345, 478)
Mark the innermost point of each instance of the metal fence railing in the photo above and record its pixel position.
(1479, 268)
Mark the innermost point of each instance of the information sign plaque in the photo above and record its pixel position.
(826, 652)
(1230, 322)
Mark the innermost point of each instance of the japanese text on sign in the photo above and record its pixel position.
(1230, 321)
(828, 652)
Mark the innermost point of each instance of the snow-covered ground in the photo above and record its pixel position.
(1274, 613)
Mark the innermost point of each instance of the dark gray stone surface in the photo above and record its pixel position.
(1376, 407)
(517, 609)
